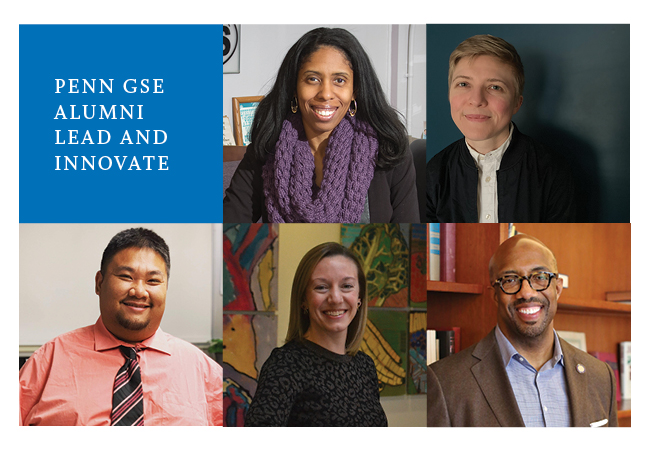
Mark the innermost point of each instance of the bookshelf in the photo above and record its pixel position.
(596, 257)
(460, 288)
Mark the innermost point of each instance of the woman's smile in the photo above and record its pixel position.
(324, 92)
(332, 299)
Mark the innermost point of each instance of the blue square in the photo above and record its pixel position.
(102, 165)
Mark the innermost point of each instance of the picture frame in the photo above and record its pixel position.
(243, 111)
(231, 48)
(576, 338)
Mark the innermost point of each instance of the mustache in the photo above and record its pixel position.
(523, 301)
(135, 301)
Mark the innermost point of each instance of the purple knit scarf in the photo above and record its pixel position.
(348, 169)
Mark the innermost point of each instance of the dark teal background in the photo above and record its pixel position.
(576, 101)
(187, 58)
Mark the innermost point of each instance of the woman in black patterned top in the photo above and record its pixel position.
(319, 377)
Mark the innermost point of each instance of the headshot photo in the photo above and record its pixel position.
(326, 125)
(528, 123)
(324, 325)
(92, 346)
(528, 334)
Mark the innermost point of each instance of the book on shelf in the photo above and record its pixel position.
(446, 342)
(442, 342)
(448, 252)
(455, 335)
(433, 260)
(612, 361)
(624, 297)
(625, 369)
(512, 230)
(432, 347)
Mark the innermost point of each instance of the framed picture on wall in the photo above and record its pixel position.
(231, 48)
(243, 111)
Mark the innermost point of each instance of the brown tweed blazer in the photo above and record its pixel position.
(471, 389)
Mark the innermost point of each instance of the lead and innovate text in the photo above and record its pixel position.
(96, 160)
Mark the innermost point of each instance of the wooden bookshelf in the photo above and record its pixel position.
(596, 257)
(625, 413)
(594, 305)
(459, 288)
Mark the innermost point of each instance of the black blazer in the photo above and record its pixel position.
(533, 185)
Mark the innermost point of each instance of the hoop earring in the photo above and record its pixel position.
(359, 304)
(351, 111)
(294, 105)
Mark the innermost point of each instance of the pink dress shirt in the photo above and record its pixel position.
(69, 380)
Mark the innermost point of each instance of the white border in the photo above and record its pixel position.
(197, 12)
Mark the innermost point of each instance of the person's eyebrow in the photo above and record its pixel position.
(321, 279)
(156, 272)
(533, 270)
(131, 269)
(315, 72)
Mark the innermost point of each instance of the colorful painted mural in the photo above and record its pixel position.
(248, 342)
(385, 341)
(418, 266)
(417, 359)
(250, 264)
(250, 286)
(394, 259)
(384, 254)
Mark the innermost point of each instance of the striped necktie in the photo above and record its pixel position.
(128, 409)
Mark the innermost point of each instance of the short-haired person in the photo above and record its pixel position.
(325, 144)
(494, 173)
(123, 370)
(522, 373)
(320, 377)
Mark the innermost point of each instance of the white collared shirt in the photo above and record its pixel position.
(488, 164)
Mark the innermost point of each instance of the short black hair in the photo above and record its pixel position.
(138, 238)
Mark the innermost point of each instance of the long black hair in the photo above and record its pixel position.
(372, 106)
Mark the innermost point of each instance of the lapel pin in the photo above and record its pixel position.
(580, 368)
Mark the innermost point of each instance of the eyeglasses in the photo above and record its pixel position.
(539, 281)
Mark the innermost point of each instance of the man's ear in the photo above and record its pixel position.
(99, 278)
(559, 285)
(494, 291)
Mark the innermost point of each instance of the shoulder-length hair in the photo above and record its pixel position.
(372, 106)
(299, 322)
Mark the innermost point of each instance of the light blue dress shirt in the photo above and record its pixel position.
(542, 396)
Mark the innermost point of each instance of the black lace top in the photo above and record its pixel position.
(303, 384)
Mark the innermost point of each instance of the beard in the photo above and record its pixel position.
(130, 324)
(531, 330)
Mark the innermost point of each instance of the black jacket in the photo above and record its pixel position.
(533, 185)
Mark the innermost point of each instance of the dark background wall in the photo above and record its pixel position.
(576, 102)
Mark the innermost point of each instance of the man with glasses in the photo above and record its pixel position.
(522, 373)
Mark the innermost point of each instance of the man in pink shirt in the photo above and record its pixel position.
(123, 370)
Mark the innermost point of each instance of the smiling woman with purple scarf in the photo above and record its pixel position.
(325, 144)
